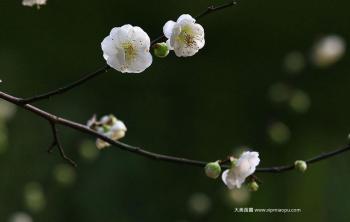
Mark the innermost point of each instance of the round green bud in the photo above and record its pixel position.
(213, 170)
(253, 186)
(161, 50)
(300, 165)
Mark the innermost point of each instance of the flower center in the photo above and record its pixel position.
(186, 36)
(130, 51)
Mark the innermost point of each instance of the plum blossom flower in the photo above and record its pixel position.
(126, 49)
(185, 36)
(244, 167)
(31, 3)
(109, 126)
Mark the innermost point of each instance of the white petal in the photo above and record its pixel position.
(168, 28)
(186, 17)
(141, 39)
(108, 46)
(168, 44)
(124, 33)
(119, 125)
(224, 176)
(117, 61)
(181, 50)
(114, 31)
(140, 63)
(198, 30)
(200, 43)
(104, 119)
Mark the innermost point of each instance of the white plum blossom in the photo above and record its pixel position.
(244, 167)
(328, 50)
(110, 127)
(31, 3)
(185, 36)
(126, 49)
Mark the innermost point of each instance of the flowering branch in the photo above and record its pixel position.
(56, 120)
(106, 68)
(127, 50)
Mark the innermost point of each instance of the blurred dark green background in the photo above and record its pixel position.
(203, 107)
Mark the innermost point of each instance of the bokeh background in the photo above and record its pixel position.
(260, 82)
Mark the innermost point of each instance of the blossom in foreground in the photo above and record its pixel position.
(108, 126)
(31, 3)
(328, 50)
(185, 36)
(243, 167)
(126, 49)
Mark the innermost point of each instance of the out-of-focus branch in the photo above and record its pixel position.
(55, 120)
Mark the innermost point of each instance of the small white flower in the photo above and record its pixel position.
(328, 50)
(185, 36)
(110, 127)
(126, 49)
(244, 167)
(31, 3)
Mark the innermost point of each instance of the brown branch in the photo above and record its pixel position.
(56, 143)
(283, 168)
(55, 120)
(63, 89)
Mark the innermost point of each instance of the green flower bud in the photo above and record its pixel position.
(213, 170)
(300, 165)
(161, 50)
(106, 128)
(253, 186)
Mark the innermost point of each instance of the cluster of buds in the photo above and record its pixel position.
(108, 126)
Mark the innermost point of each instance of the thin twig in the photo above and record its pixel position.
(55, 120)
(63, 89)
(283, 168)
(56, 143)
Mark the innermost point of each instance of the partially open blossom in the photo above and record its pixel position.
(126, 49)
(33, 2)
(109, 126)
(244, 167)
(185, 36)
